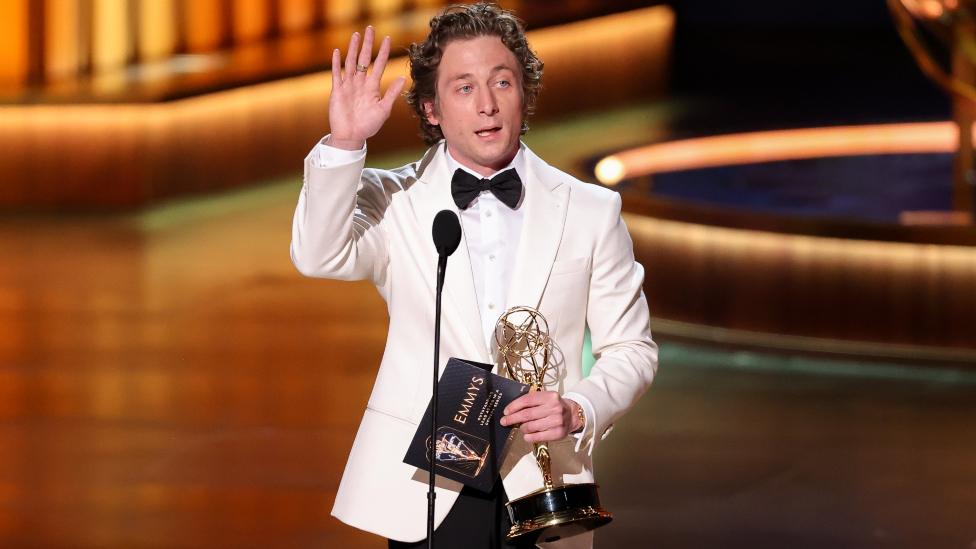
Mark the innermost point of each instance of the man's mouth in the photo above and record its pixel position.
(487, 131)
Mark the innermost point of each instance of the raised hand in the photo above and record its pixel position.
(357, 110)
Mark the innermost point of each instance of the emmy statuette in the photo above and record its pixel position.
(552, 512)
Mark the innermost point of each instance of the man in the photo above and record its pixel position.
(544, 240)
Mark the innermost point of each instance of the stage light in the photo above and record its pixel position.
(610, 170)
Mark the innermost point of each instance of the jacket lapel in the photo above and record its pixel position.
(460, 301)
(546, 202)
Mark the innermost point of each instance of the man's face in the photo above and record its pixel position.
(479, 103)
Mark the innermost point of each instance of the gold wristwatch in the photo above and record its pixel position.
(582, 418)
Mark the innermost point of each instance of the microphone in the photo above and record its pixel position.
(446, 232)
(447, 235)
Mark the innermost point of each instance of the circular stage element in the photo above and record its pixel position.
(834, 240)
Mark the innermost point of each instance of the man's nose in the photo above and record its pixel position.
(486, 103)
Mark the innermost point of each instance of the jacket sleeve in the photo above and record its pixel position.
(619, 322)
(338, 230)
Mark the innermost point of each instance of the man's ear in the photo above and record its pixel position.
(429, 113)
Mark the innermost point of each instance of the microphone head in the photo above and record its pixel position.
(447, 232)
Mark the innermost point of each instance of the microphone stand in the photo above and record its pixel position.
(446, 231)
(441, 267)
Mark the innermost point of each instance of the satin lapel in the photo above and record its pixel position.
(460, 302)
(546, 202)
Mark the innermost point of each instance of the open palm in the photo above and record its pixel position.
(357, 109)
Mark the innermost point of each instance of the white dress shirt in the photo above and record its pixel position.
(491, 231)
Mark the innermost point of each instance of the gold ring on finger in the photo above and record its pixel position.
(361, 68)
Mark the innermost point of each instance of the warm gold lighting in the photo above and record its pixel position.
(157, 29)
(13, 41)
(250, 20)
(204, 31)
(610, 170)
(62, 34)
(341, 12)
(295, 15)
(159, 150)
(925, 9)
(770, 146)
(384, 8)
(110, 34)
(917, 287)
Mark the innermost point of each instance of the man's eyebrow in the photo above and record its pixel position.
(468, 75)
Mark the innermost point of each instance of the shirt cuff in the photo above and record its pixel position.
(324, 155)
(590, 414)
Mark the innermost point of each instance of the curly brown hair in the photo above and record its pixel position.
(465, 21)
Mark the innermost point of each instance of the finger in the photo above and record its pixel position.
(351, 55)
(392, 92)
(336, 68)
(541, 425)
(527, 400)
(366, 52)
(528, 414)
(550, 435)
(379, 65)
(514, 419)
(517, 404)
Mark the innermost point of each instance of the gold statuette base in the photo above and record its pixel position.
(551, 514)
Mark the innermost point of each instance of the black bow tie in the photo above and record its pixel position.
(506, 186)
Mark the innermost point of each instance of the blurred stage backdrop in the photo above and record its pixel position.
(797, 178)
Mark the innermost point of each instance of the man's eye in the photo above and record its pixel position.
(504, 83)
(465, 89)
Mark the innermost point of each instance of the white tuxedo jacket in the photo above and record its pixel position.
(575, 264)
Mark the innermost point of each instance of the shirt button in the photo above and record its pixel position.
(488, 213)
(491, 257)
(491, 306)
